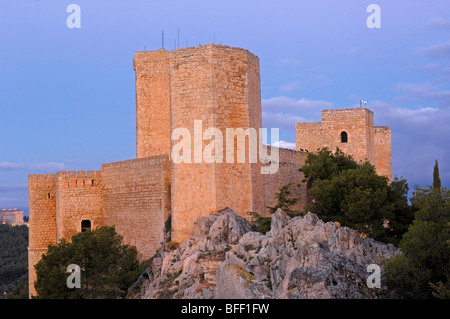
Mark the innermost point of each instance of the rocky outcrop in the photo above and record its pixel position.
(300, 257)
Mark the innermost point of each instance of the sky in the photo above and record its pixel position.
(67, 95)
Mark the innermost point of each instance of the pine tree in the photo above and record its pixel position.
(108, 267)
(285, 202)
(436, 178)
(354, 195)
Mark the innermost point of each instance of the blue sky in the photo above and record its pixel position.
(67, 96)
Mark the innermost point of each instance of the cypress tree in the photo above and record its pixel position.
(436, 178)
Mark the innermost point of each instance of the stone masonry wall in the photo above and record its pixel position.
(365, 142)
(358, 124)
(290, 162)
(133, 195)
(42, 220)
(137, 201)
(192, 98)
(218, 85)
(309, 136)
(152, 103)
(79, 197)
(237, 101)
(383, 152)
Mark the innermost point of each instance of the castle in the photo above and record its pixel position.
(219, 86)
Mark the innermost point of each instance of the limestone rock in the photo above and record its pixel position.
(300, 257)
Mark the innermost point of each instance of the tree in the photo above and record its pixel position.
(436, 178)
(425, 247)
(325, 164)
(260, 223)
(355, 196)
(108, 267)
(441, 292)
(20, 292)
(285, 202)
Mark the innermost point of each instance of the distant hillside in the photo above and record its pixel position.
(13, 257)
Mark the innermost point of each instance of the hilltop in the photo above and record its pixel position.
(300, 257)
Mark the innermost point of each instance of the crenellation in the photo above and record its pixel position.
(81, 174)
(41, 177)
(93, 174)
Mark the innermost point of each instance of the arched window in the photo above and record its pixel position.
(344, 137)
(85, 225)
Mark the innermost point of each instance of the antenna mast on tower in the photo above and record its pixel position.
(162, 38)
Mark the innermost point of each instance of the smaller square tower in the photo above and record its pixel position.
(353, 132)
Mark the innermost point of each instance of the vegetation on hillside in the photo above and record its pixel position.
(13, 259)
(354, 195)
(340, 190)
(423, 271)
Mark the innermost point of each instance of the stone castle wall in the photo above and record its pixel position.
(152, 103)
(136, 200)
(219, 86)
(288, 172)
(357, 123)
(193, 83)
(383, 150)
(309, 136)
(364, 140)
(42, 220)
(79, 197)
(133, 196)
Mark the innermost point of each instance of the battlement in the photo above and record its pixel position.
(195, 49)
(79, 174)
(349, 115)
(41, 177)
(388, 128)
(79, 178)
(63, 174)
(348, 109)
(138, 161)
